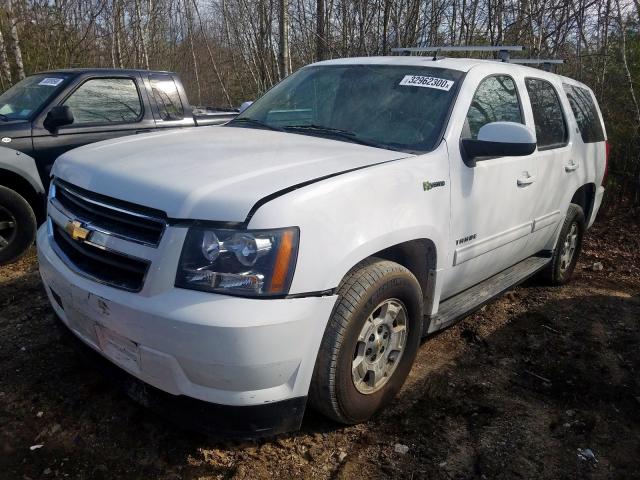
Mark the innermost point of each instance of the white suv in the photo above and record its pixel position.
(300, 253)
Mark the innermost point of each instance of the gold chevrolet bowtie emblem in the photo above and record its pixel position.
(76, 231)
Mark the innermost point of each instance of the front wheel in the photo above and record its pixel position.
(370, 342)
(17, 225)
(568, 247)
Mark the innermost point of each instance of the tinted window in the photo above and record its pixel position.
(584, 109)
(394, 107)
(551, 129)
(495, 100)
(105, 100)
(167, 97)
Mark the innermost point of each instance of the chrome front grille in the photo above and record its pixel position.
(101, 265)
(104, 239)
(121, 219)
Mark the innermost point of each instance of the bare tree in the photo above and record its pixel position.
(13, 27)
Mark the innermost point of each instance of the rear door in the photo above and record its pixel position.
(491, 203)
(559, 165)
(103, 107)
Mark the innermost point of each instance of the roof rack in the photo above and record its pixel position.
(503, 50)
(546, 63)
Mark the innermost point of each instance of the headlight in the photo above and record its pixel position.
(249, 263)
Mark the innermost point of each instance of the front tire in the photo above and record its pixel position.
(17, 226)
(568, 248)
(370, 342)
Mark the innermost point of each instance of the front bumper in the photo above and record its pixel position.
(218, 349)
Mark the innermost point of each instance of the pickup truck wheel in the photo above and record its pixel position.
(370, 342)
(17, 225)
(568, 247)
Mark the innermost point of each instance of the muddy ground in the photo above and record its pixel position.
(514, 391)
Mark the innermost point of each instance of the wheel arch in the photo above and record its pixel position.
(419, 256)
(585, 197)
(22, 186)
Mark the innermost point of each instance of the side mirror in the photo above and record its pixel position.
(57, 117)
(499, 139)
(244, 106)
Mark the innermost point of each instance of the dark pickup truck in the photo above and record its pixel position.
(48, 113)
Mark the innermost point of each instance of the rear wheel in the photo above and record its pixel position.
(370, 342)
(17, 225)
(568, 247)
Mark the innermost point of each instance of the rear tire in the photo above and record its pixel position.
(17, 225)
(370, 342)
(568, 248)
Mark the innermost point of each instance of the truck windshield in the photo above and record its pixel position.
(386, 106)
(25, 98)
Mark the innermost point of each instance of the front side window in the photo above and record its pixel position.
(105, 101)
(584, 109)
(495, 100)
(28, 96)
(167, 97)
(386, 106)
(551, 129)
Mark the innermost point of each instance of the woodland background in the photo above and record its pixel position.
(228, 51)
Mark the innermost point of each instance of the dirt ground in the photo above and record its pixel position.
(520, 389)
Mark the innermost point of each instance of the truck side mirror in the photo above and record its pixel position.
(244, 106)
(57, 117)
(499, 139)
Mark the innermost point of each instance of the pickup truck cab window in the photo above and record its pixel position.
(585, 112)
(551, 128)
(496, 100)
(167, 97)
(27, 97)
(393, 107)
(105, 101)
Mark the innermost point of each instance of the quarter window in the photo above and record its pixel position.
(495, 100)
(105, 101)
(167, 97)
(584, 109)
(551, 129)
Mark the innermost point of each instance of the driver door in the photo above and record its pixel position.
(491, 202)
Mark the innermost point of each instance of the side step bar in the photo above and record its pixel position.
(470, 300)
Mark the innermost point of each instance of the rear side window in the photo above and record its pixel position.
(584, 109)
(495, 100)
(105, 101)
(551, 128)
(167, 97)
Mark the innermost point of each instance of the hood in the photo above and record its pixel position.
(210, 173)
(14, 129)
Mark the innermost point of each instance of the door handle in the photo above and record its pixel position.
(571, 166)
(526, 179)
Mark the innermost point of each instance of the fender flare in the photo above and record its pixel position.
(22, 165)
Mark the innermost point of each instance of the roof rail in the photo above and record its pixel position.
(503, 50)
(545, 62)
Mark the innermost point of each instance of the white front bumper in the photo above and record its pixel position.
(220, 349)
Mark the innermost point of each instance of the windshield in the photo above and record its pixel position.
(388, 106)
(25, 98)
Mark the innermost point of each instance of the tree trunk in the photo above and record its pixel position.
(5, 68)
(321, 42)
(17, 52)
(284, 64)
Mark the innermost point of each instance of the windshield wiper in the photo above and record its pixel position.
(334, 132)
(4, 118)
(254, 122)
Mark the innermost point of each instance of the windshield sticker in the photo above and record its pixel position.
(426, 82)
(51, 82)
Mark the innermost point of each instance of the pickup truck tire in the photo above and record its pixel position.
(568, 248)
(17, 225)
(380, 306)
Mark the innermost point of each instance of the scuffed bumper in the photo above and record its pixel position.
(232, 352)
